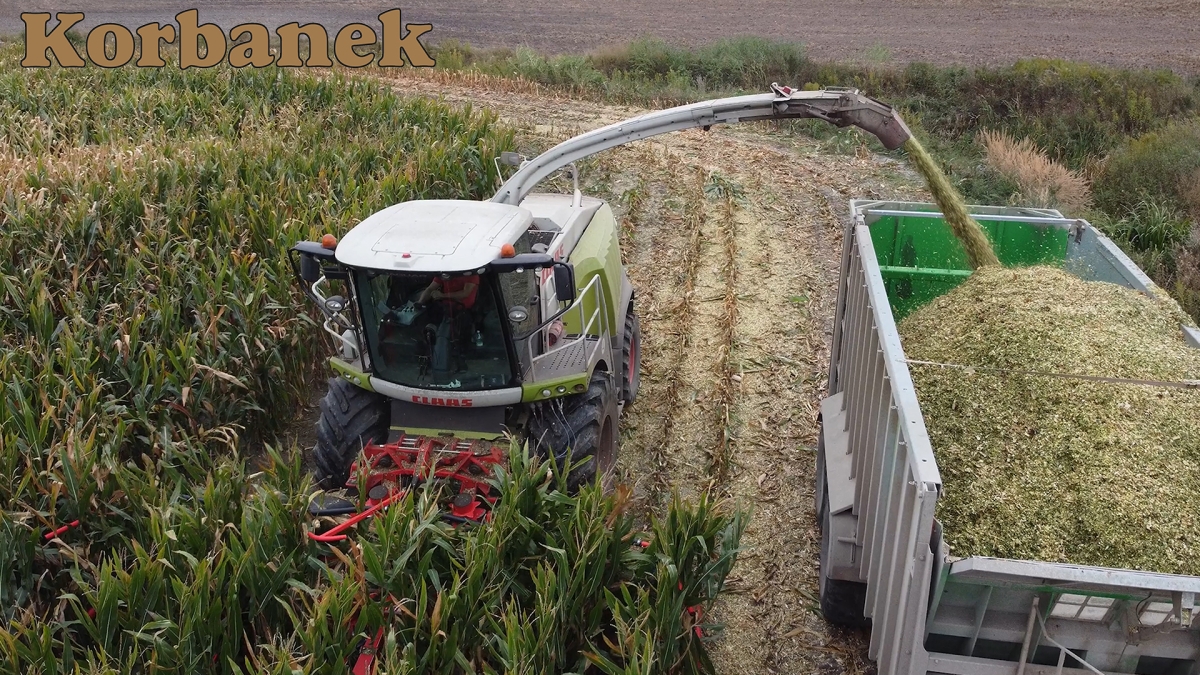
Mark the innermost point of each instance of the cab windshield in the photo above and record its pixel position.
(435, 331)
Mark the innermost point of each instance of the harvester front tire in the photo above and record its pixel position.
(631, 357)
(842, 602)
(351, 417)
(584, 426)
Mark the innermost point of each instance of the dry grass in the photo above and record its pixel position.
(1042, 181)
(511, 84)
(1062, 470)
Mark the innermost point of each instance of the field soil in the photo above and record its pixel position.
(1160, 33)
(733, 239)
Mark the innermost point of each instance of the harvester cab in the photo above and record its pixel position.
(464, 323)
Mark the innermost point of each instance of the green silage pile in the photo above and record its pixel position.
(1061, 470)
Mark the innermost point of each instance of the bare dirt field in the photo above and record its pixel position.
(732, 238)
(1158, 33)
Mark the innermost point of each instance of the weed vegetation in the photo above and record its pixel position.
(1040, 181)
(151, 337)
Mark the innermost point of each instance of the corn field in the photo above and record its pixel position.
(151, 335)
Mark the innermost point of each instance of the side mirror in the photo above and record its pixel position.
(310, 269)
(525, 261)
(564, 272)
(316, 260)
(564, 281)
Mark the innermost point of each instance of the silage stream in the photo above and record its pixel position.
(975, 243)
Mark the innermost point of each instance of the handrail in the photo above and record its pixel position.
(598, 317)
(333, 318)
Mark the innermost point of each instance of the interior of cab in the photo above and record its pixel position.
(418, 339)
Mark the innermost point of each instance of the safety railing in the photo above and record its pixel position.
(893, 469)
(569, 354)
(336, 323)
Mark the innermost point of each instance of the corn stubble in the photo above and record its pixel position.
(1054, 469)
(150, 331)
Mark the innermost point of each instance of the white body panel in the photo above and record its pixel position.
(442, 235)
(448, 398)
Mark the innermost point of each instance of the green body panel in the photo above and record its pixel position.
(351, 373)
(532, 391)
(597, 253)
(920, 258)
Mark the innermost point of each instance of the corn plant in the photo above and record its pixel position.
(151, 337)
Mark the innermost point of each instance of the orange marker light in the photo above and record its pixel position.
(507, 251)
(328, 241)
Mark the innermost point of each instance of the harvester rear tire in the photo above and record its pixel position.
(583, 425)
(631, 357)
(351, 417)
(842, 602)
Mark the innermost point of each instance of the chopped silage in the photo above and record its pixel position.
(1052, 469)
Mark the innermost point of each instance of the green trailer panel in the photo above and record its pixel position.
(920, 258)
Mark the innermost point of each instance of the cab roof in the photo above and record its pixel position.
(433, 235)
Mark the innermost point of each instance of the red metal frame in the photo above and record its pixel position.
(59, 531)
(365, 663)
(392, 469)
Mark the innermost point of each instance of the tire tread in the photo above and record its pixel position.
(350, 417)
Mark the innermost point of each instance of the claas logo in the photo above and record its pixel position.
(446, 402)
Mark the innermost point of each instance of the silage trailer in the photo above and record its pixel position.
(884, 562)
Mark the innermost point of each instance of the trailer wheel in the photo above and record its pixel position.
(631, 357)
(351, 417)
(842, 602)
(583, 426)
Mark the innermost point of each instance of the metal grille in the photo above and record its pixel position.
(571, 358)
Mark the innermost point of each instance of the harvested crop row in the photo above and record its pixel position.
(1054, 469)
(678, 308)
(727, 191)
